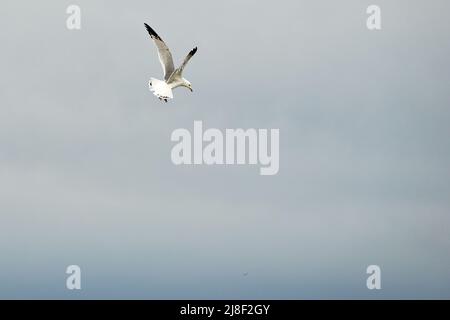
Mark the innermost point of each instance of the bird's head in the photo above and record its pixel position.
(188, 85)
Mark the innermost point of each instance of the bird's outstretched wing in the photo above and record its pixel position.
(165, 57)
(188, 57)
(178, 71)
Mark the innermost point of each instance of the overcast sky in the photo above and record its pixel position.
(86, 176)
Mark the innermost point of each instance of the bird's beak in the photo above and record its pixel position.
(191, 90)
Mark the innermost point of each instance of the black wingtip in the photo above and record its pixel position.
(193, 51)
(151, 32)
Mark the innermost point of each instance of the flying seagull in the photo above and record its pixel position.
(173, 78)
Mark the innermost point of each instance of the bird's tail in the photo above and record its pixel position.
(160, 89)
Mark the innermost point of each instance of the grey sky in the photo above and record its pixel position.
(86, 176)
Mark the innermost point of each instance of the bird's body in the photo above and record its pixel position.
(173, 78)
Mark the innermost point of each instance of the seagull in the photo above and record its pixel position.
(173, 78)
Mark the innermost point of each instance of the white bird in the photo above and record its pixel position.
(173, 78)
